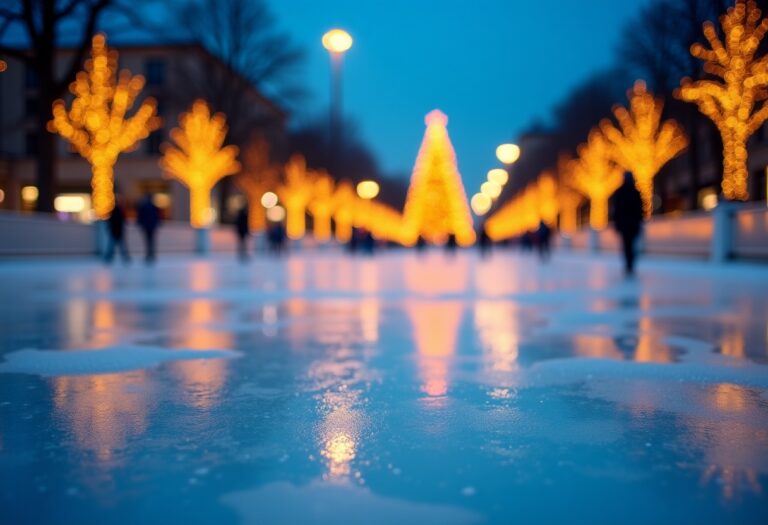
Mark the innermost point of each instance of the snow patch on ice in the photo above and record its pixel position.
(112, 359)
(334, 503)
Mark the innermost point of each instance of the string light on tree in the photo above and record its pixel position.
(321, 207)
(199, 159)
(97, 125)
(568, 198)
(343, 210)
(295, 193)
(597, 176)
(642, 144)
(257, 177)
(436, 205)
(735, 102)
(546, 186)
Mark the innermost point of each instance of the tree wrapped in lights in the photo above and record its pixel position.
(97, 126)
(199, 158)
(295, 193)
(258, 176)
(321, 206)
(436, 205)
(642, 144)
(548, 204)
(597, 176)
(735, 102)
(344, 202)
(568, 198)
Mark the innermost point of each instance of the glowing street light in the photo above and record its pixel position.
(337, 42)
(508, 153)
(276, 213)
(499, 176)
(269, 200)
(491, 189)
(367, 189)
(480, 203)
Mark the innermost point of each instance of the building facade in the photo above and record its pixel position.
(175, 75)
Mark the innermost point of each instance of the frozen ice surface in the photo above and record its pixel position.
(402, 388)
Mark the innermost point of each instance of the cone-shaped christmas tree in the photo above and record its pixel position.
(436, 206)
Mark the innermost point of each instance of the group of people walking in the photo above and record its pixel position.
(148, 217)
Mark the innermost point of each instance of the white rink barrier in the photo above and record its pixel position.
(40, 234)
(730, 231)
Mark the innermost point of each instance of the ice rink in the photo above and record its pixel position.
(399, 388)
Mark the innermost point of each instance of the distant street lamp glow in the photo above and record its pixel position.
(499, 176)
(276, 213)
(337, 41)
(491, 189)
(367, 189)
(269, 200)
(480, 203)
(508, 153)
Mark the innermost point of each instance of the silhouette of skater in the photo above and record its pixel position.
(544, 241)
(627, 208)
(242, 231)
(116, 227)
(276, 238)
(148, 218)
(450, 244)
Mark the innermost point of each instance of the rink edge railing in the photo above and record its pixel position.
(732, 231)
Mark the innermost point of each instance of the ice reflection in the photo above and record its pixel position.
(340, 432)
(435, 326)
(103, 411)
(734, 448)
(497, 327)
(202, 380)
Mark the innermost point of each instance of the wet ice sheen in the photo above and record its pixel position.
(395, 389)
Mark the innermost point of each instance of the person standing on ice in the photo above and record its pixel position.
(242, 230)
(627, 208)
(116, 227)
(148, 218)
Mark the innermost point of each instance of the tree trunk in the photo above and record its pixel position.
(45, 141)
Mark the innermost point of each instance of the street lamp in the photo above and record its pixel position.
(508, 153)
(367, 189)
(337, 42)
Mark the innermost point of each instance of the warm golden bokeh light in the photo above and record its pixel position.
(295, 193)
(597, 176)
(96, 125)
(337, 41)
(257, 177)
(321, 207)
(343, 210)
(508, 153)
(480, 203)
(436, 205)
(269, 199)
(731, 102)
(642, 143)
(198, 158)
(491, 189)
(276, 213)
(568, 199)
(367, 189)
(499, 176)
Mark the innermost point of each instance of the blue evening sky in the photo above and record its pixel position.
(490, 65)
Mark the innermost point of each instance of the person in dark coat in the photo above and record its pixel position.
(627, 210)
(242, 230)
(148, 219)
(544, 241)
(116, 227)
(485, 242)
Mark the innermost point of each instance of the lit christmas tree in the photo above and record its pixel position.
(321, 206)
(258, 176)
(436, 205)
(96, 125)
(295, 193)
(736, 102)
(642, 144)
(199, 158)
(597, 176)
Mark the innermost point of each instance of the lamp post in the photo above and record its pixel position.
(367, 190)
(337, 42)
